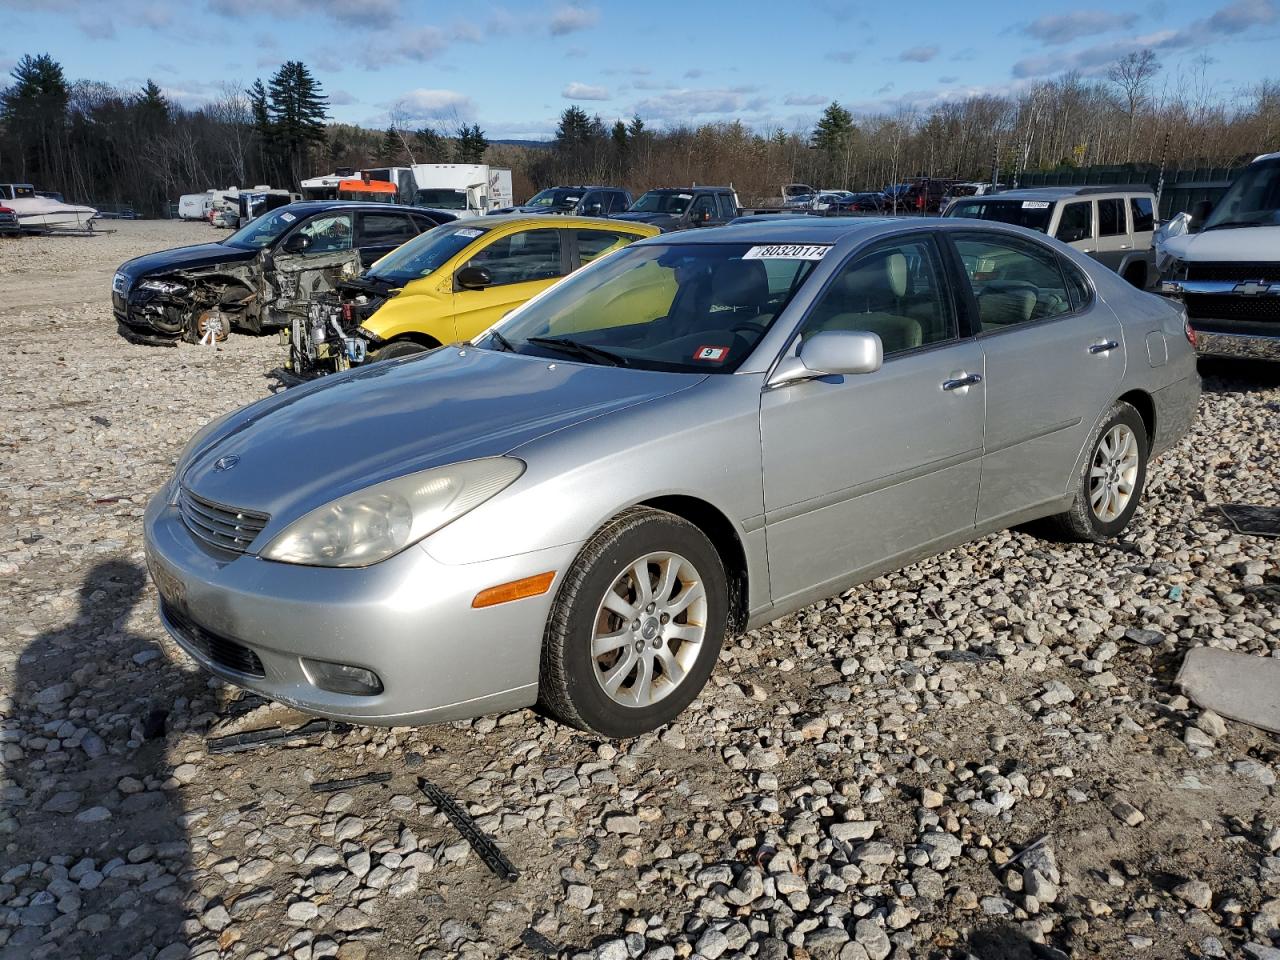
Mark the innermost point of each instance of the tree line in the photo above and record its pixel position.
(95, 142)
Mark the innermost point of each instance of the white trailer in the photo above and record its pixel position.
(470, 189)
(195, 206)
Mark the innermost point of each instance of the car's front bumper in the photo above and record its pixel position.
(1253, 345)
(1231, 319)
(409, 619)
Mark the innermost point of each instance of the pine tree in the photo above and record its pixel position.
(298, 108)
(151, 108)
(430, 147)
(574, 130)
(833, 136)
(389, 149)
(33, 110)
(263, 129)
(636, 127)
(471, 144)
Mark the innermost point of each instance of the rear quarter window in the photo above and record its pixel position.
(1078, 286)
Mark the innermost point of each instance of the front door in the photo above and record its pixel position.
(1054, 357)
(520, 265)
(862, 470)
(325, 255)
(1115, 242)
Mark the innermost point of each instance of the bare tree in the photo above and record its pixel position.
(1132, 73)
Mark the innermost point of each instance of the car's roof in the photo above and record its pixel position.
(316, 206)
(686, 189)
(558, 223)
(1061, 193)
(785, 229)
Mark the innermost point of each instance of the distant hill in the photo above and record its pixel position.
(535, 144)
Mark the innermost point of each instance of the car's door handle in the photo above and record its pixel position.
(1124, 246)
(1104, 347)
(965, 381)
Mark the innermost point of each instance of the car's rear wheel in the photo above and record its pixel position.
(1111, 480)
(398, 348)
(636, 627)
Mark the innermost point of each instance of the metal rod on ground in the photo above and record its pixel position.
(330, 786)
(253, 739)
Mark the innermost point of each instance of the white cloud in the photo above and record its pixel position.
(417, 44)
(362, 14)
(428, 104)
(340, 98)
(584, 91)
(96, 27)
(1053, 29)
(683, 104)
(811, 100)
(572, 17)
(918, 54)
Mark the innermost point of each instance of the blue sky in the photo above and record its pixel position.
(512, 68)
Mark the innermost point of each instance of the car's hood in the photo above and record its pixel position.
(657, 219)
(312, 443)
(1251, 244)
(186, 258)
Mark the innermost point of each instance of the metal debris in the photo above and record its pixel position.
(480, 842)
(253, 739)
(1252, 520)
(330, 786)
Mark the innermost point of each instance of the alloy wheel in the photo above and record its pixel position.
(1114, 473)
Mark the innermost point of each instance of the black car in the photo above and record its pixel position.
(264, 273)
(677, 208)
(577, 201)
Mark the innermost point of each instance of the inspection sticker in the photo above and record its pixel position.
(288, 217)
(1035, 204)
(788, 251)
(469, 233)
(711, 354)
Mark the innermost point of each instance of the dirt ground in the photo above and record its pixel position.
(852, 784)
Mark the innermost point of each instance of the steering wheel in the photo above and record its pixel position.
(756, 327)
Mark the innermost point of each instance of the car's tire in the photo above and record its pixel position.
(1136, 274)
(671, 643)
(398, 348)
(1111, 479)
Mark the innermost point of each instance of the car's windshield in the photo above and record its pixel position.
(661, 201)
(424, 254)
(443, 198)
(553, 197)
(263, 231)
(1253, 200)
(1032, 214)
(688, 307)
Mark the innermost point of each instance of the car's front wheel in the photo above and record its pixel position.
(1111, 479)
(636, 627)
(398, 348)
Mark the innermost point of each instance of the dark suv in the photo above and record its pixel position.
(677, 208)
(577, 201)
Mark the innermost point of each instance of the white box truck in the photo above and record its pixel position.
(470, 189)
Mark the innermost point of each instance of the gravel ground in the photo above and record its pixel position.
(860, 780)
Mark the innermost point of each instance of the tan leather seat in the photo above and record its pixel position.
(1002, 308)
(870, 295)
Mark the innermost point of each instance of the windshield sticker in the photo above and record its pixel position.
(711, 354)
(470, 233)
(684, 196)
(788, 251)
(1035, 204)
(288, 217)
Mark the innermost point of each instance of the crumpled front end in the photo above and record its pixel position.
(330, 338)
(183, 305)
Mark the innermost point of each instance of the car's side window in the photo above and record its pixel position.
(895, 290)
(1076, 222)
(1077, 285)
(705, 204)
(521, 257)
(1144, 219)
(620, 202)
(1013, 281)
(383, 229)
(423, 223)
(593, 243)
(1111, 222)
(328, 233)
(727, 208)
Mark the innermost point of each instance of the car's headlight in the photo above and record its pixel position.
(380, 521)
(161, 286)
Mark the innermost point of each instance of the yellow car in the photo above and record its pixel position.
(453, 282)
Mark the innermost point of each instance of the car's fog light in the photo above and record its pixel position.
(342, 678)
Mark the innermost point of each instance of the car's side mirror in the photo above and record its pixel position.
(473, 278)
(297, 243)
(1200, 213)
(831, 353)
(1074, 235)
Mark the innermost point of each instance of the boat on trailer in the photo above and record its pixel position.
(42, 214)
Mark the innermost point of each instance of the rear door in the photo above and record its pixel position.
(1114, 240)
(289, 281)
(1053, 360)
(520, 264)
(381, 232)
(1076, 225)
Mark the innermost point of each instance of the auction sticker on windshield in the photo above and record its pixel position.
(712, 354)
(1035, 204)
(788, 251)
(470, 233)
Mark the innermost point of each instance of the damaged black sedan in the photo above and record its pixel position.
(262, 275)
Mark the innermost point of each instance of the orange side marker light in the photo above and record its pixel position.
(515, 590)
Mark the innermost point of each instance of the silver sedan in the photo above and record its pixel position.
(685, 440)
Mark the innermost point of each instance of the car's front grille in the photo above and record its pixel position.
(1240, 272)
(1212, 306)
(226, 527)
(221, 650)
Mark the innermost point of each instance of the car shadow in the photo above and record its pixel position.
(95, 848)
(1221, 375)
